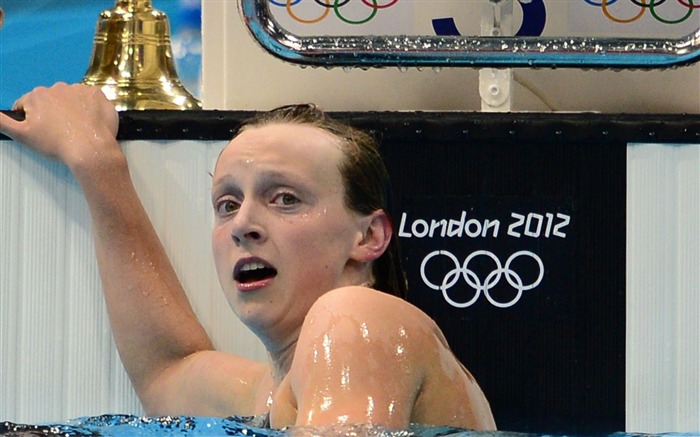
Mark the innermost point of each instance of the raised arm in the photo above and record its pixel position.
(158, 336)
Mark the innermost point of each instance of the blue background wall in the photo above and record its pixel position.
(45, 41)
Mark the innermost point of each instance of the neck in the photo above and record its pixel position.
(281, 362)
(280, 353)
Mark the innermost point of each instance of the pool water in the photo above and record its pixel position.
(134, 426)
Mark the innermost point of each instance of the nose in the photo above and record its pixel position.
(247, 227)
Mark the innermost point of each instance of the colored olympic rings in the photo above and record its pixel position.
(671, 13)
(665, 21)
(376, 6)
(644, 5)
(604, 7)
(284, 4)
(472, 279)
(291, 13)
(689, 5)
(335, 6)
(326, 5)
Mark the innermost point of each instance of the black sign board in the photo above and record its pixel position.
(517, 250)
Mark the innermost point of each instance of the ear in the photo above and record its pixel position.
(376, 236)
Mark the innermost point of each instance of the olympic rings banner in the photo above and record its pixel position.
(501, 282)
(605, 18)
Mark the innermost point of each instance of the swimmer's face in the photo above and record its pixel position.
(2, 17)
(282, 234)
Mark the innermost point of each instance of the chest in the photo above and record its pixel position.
(279, 401)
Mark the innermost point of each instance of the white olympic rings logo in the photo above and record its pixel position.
(473, 280)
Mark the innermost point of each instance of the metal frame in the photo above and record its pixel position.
(465, 51)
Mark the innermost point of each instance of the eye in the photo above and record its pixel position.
(226, 206)
(285, 199)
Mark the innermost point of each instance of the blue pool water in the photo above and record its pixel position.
(134, 426)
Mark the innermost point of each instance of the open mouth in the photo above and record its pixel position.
(249, 271)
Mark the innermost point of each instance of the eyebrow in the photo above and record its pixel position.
(228, 183)
(225, 184)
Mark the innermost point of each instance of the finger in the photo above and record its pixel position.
(19, 104)
(9, 126)
(40, 92)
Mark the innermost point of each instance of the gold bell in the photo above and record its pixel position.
(132, 60)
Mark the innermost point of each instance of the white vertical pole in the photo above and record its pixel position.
(663, 288)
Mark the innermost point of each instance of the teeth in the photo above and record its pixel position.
(252, 266)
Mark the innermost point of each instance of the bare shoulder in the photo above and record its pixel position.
(398, 352)
(357, 360)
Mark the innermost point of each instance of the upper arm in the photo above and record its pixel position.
(357, 361)
(207, 383)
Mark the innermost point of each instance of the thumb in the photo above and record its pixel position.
(10, 124)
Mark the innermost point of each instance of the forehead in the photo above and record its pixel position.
(283, 146)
